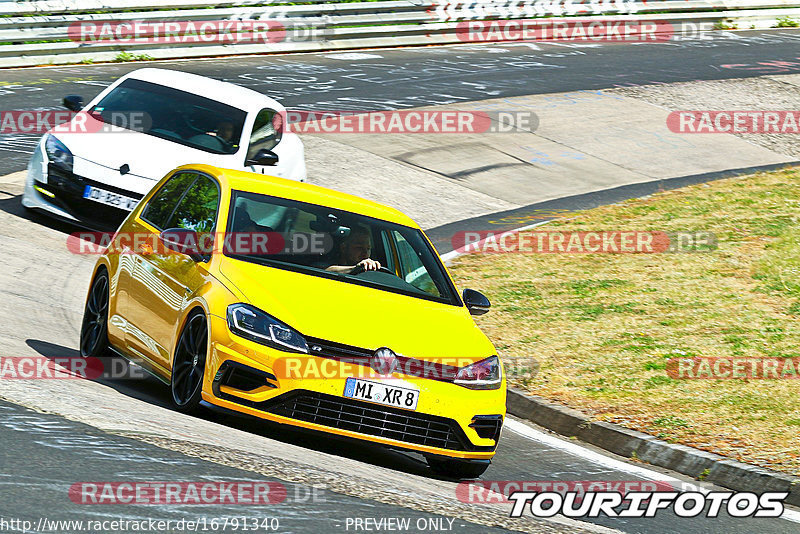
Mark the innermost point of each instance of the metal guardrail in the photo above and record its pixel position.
(36, 32)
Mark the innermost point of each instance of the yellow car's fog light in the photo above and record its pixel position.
(243, 377)
(487, 426)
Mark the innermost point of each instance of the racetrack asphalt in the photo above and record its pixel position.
(43, 453)
(41, 320)
(411, 77)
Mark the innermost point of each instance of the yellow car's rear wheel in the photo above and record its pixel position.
(94, 327)
(186, 382)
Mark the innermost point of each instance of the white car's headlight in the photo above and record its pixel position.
(57, 152)
(253, 324)
(485, 374)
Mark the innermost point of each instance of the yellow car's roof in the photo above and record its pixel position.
(313, 194)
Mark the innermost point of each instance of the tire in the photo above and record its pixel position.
(94, 328)
(188, 368)
(458, 469)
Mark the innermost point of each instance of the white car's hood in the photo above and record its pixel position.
(147, 156)
(98, 155)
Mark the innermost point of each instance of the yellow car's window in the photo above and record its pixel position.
(411, 267)
(197, 209)
(160, 207)
(346, 246)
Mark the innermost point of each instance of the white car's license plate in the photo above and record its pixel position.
(110, 199)
(381, 393)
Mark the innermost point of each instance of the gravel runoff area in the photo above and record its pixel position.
(764, 93)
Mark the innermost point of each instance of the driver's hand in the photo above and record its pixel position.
(368, 265)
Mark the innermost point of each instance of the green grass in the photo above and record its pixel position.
(602, 327)
(786, 22)
(725, 25)
(123, 57)
(671, 422)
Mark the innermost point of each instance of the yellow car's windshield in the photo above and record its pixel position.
(337, 244)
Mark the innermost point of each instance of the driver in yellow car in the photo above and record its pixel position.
(354, 253)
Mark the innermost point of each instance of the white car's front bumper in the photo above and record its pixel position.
(37, 175)
(62, 192)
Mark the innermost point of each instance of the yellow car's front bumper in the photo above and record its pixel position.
(449, 420)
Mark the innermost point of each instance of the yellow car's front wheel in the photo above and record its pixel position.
(189, 365)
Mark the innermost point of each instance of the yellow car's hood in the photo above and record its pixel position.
(360, 316)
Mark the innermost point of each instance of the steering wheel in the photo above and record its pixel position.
(360, 270)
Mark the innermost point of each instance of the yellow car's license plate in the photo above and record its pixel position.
(381, 393)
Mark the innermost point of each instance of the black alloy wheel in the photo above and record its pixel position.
(189, 365)
(94, 328)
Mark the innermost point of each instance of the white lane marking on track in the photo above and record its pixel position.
(352, 55)
(490, 48)
(572, 448)
(532, 46)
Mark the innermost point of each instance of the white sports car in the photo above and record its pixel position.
(150, 121)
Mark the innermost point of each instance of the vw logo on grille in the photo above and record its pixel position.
(384, 361)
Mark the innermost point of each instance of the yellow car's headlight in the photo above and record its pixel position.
(253, 324)
(485, 374)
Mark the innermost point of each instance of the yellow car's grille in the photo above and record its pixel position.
(366, 418)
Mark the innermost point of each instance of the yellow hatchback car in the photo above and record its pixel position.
(300, 305)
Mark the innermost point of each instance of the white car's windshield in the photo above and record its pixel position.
(177, 116)
(352, 248)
